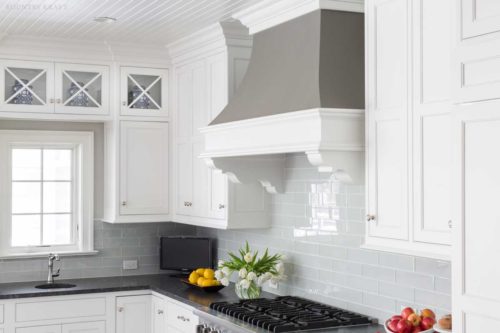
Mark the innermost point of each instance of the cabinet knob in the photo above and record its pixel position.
(58, 101)
(51, 101)
(124, 103)
(370, 217)
(221, 206)
(120, 309)
(124, 203)
(160, 312)
(450, 224)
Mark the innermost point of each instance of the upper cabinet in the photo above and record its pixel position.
(81, 89)
(47, 87)
(203, 83)
(144, 91)
(409, 126)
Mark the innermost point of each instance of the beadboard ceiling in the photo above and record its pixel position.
(139, 21)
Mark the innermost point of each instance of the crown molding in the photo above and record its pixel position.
(215, 37)
(269, 13)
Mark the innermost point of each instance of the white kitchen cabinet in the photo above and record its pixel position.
(48, 87)
(143, 168)
(409, 126)
(159, 322)
(181, 318)
(26, 86)
(139, 191)
(133, 314)
(144, 91)
(480, 17)
(90, 327)
(40, 329)
(203, 83)
(81, 89)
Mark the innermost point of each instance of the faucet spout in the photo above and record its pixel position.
(53, 257)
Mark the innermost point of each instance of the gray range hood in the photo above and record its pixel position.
(313, 61)
(303, 93)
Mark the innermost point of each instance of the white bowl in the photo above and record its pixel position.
(387, 330)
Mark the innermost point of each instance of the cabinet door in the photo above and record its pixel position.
(184, 178)
(200, 178)
(91, 327)
(143, 167)
(480, 17)
(133, 314)
(159, 315)
(476, 296)
(40, 329)
(144, 91)
(82, 89)
(432, 121)
(387, 151)
(26, 86)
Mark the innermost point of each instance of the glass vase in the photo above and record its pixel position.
(252, 292)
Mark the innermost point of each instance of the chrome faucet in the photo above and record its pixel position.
(52, 257)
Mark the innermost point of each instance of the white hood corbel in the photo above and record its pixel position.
(303, 93)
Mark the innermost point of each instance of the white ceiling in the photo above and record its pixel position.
(139, 21)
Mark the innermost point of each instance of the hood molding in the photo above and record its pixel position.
(269, 13)
(332, 139)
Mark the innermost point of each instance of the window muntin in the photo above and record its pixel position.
(43, 196)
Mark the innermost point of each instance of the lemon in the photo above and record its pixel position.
(193, 277)
(215, 283)
(207, 283)
(200, 271)
(200, 281)
(209, 274)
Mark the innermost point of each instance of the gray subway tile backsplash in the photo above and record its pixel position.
(319, 224)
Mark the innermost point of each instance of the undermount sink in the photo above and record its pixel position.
(55, 286)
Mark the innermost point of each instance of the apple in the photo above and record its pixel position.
(406, 312)
(428, 313)
(398, 317)
(404, 326)
(414, 319)
(427, 323)
(392, 325)
(416, 329)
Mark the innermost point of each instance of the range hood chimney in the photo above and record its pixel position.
(303, 92)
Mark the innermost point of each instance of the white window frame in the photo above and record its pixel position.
(82, 144)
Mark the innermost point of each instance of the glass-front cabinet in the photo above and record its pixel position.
(81, 89)
(27, 86)
(144, 91)
(48, 87)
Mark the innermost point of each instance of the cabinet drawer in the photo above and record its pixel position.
(1, 314)
(181, 318)
(60, 309)
(40, 329)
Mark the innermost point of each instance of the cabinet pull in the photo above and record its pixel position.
(120, 309)
(124, 203)
(221, 206)
(160, 312)
(450, 224)
(124, 103)
(370, 217)
(51, 101)
(182, 318)
(58, 101)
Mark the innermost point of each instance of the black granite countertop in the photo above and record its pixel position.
(162, 284)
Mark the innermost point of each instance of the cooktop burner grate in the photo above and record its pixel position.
(290, 313)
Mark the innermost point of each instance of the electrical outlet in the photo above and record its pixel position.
(273, 284)
(130, 264)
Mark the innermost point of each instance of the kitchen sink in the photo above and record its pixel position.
(55, 286)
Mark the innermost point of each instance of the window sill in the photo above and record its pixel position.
(45, 254)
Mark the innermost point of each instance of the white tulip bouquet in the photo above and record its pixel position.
(253, 272)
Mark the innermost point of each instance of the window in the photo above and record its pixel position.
(47, 184)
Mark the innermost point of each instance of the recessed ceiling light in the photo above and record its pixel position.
(104, 19)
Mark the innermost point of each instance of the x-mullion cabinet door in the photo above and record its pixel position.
(144, 91)
(26, 86)
(81, 89)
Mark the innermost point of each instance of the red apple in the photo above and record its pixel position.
(414, 319)
(427, 313)
(404, 326)
(392, 325)
(416, 329)
(427, 323)
(398, 317)
(406, 312)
